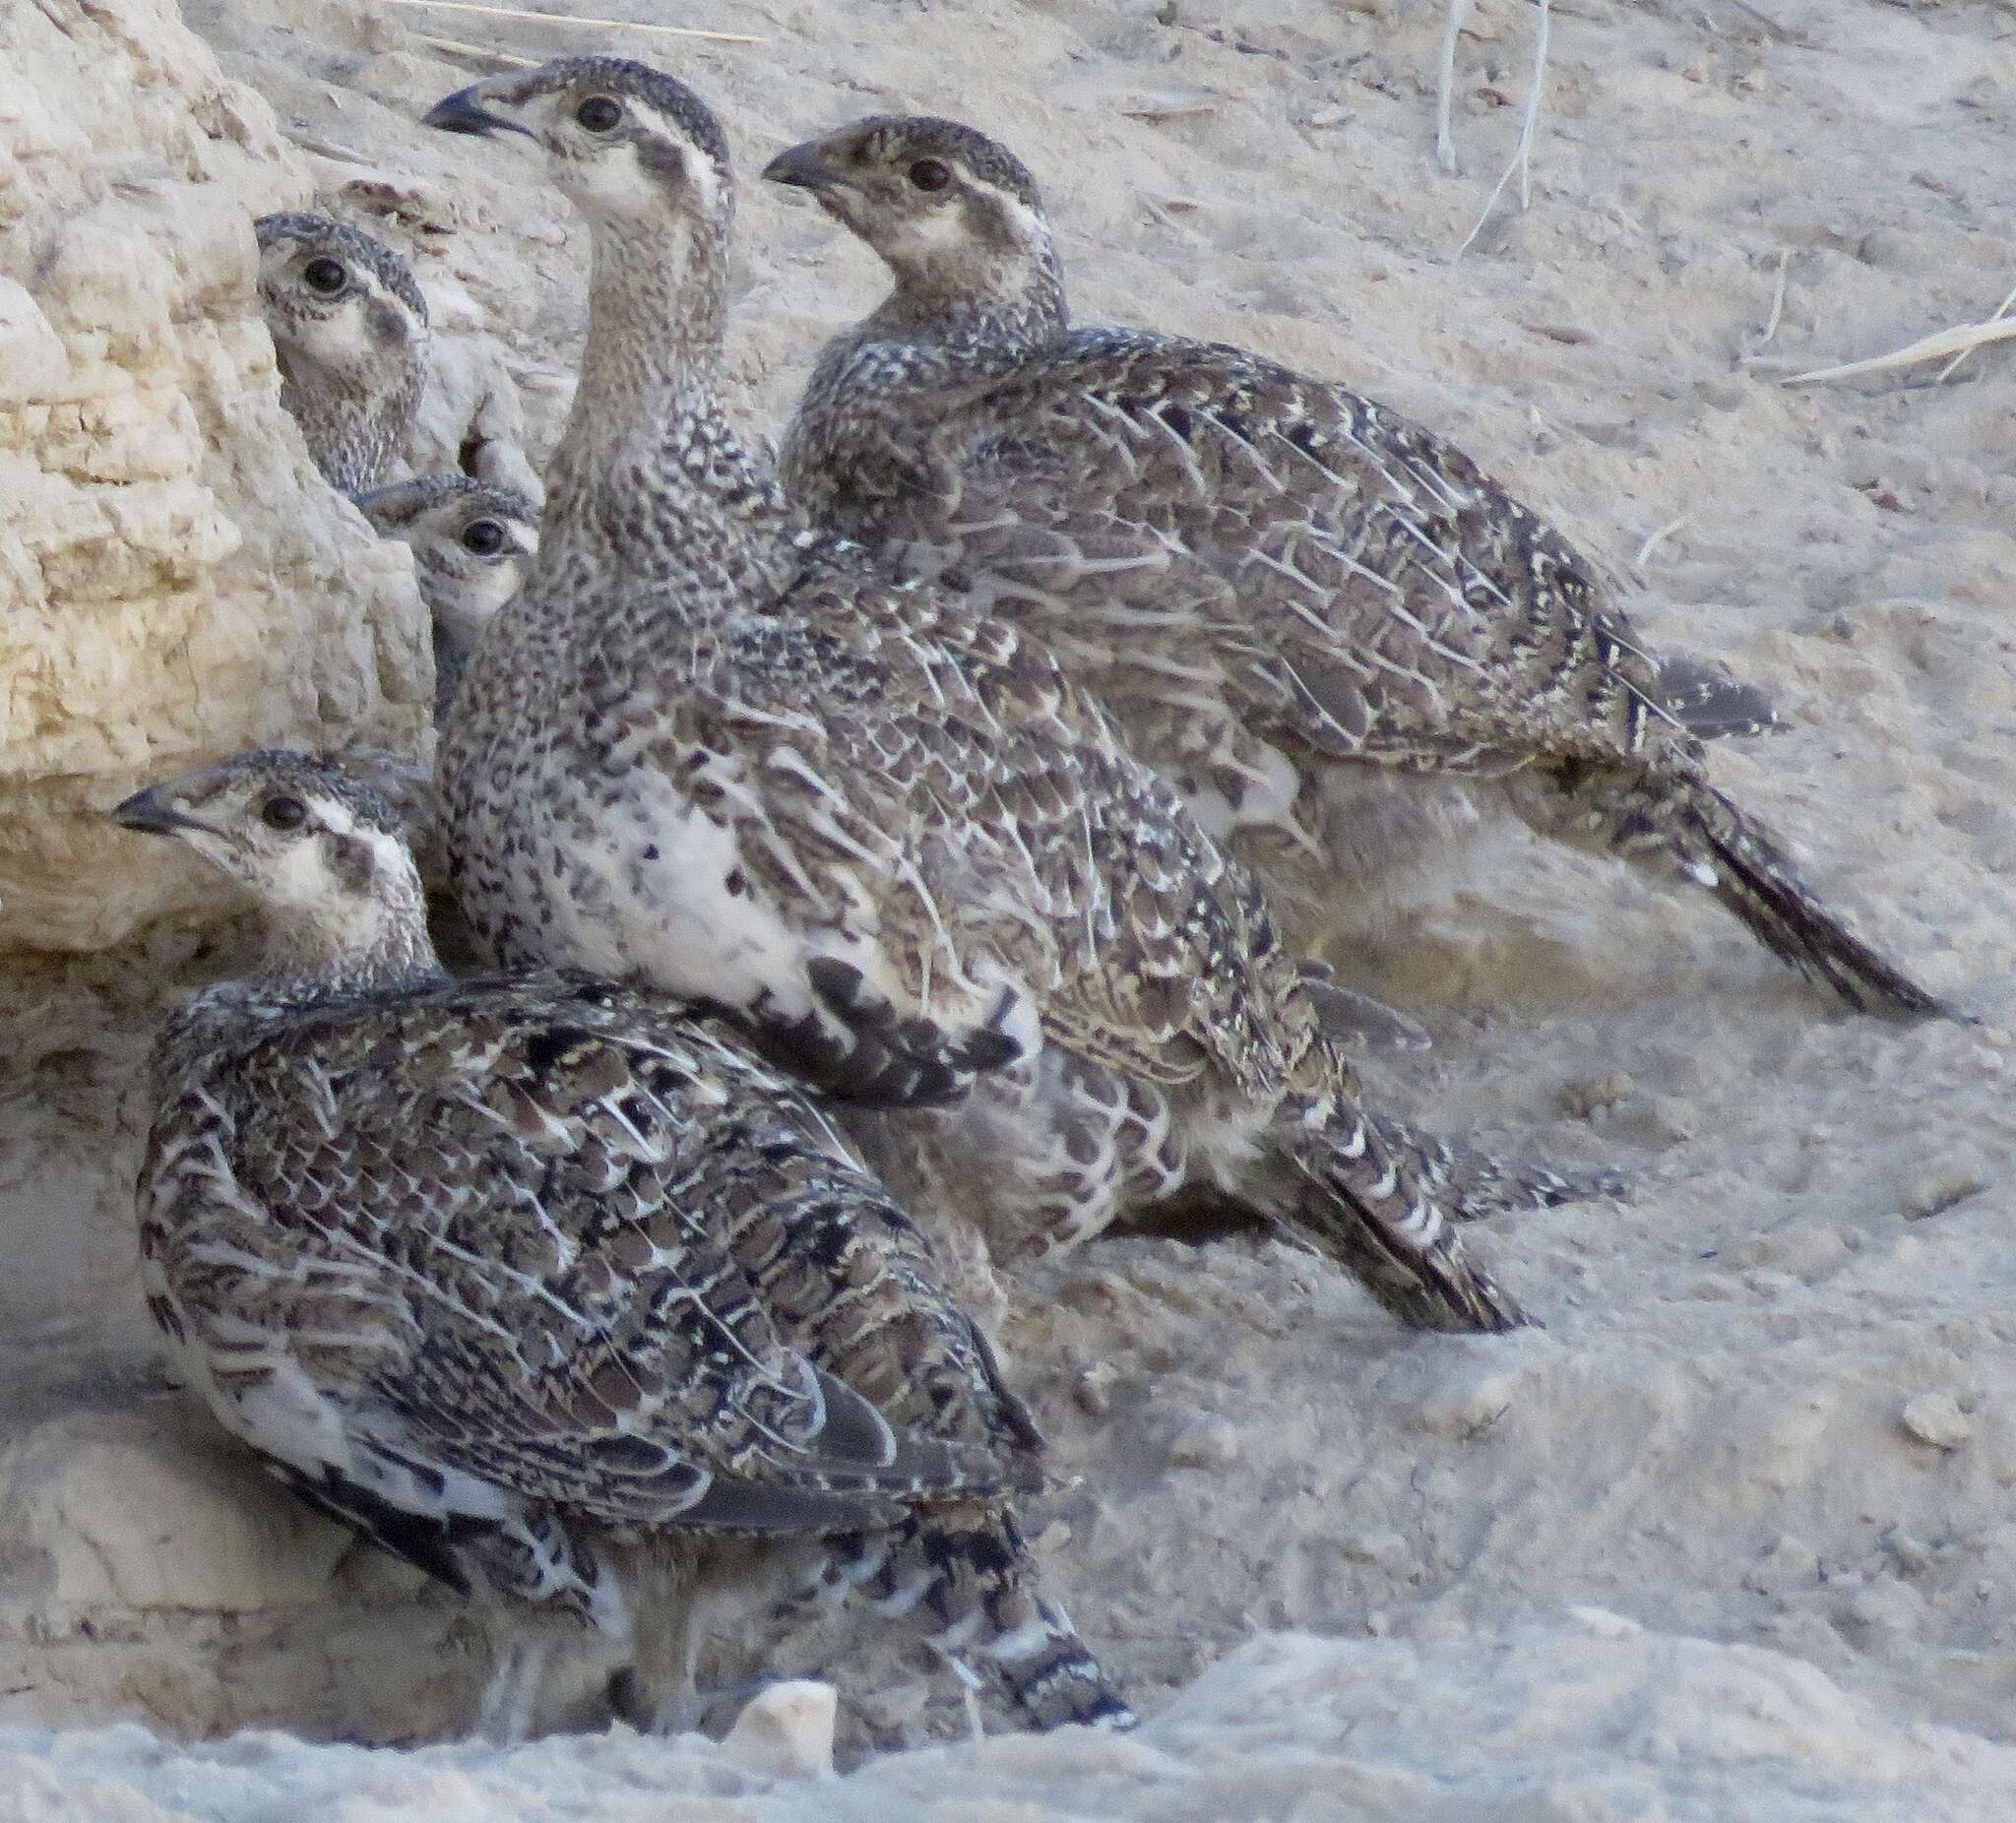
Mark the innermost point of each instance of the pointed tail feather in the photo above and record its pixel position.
(965, 1577)
(1669, 819)
(1710, 703)
(1757, 881)
(1473, 1185)
(1361, 1192)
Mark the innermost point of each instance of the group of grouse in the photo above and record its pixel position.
(900, 862)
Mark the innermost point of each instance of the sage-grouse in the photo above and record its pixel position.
(537, 1281)
(471, 542)
(349, 328)
(1304, 608)
(706, 748)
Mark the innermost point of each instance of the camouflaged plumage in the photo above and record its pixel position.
(534, 1279)
(353, 358)
(471, 542)
(1314, 615)
(707, 749)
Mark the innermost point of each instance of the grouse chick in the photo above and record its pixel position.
(537, 1281)
(706, 748)
(471, 541)
(349, 329)
(1323, 622)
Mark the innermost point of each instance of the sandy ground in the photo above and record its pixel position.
(1733, 1538)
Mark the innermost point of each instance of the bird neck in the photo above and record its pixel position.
(353, 423)
(1003, 299)
(649, 472)
(305, 967)
(369, 944)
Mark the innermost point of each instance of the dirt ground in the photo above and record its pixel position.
(1732, 1537)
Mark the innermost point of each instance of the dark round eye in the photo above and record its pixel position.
(598, 115)
(929, 175)
(482, 536)
(325, 274)
(280, 811)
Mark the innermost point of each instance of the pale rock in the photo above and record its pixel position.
(1382, 1546)
(1791, 1563)
(32, 358)
(1885, 1606)
(175, 580)
(1468, 1403)
(785, 1732)
(1206, 1443)
(152, 1509)
(1935, 1418)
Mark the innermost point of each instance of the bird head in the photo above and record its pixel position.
(622, 141)
(947, 208)
(311, 843)
(336, 299)
(472, 542)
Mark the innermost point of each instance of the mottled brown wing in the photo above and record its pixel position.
(550, 1200)
(960, 788)
(1201, 525)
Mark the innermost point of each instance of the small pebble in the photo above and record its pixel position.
(1937, 1418)
(787, 1730)
(1911, 1555)
(1790, 1563)
(1887, 1608)
(1579, 1101)
(1093, 1392)
(1936, 1195)
(1468, 1407)
(1211, 1443)
(1378, 1547)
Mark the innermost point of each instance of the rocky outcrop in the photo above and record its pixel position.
(175, 580)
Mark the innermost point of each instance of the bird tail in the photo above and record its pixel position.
(1363, 1192)
(1756, 880)
(1671, 820)
(1473, 1185)
(964, 1575)
(1712, 704)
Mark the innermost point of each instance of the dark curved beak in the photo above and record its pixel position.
(804, 167)
(152, 814)
(463, 112)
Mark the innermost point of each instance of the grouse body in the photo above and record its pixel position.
(538, 1280)
(710, 749)
(1324, 622)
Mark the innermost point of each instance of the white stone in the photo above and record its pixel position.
(787, 1730)
(1937, 1419)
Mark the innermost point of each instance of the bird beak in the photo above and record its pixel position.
(153, 812)
(465, 110)
(804, 167)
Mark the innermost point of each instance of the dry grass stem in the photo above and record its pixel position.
(1777, 299)
(564, 19)
(477, 53)
(326, 147)
(1947, 341)
(1658, 539)
(1522, 153)
(2001, 310)
(1445, 84)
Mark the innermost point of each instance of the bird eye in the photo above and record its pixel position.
(325, 274)
(929, 175)
(599, 114)
(282, 812)
(483, 537)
